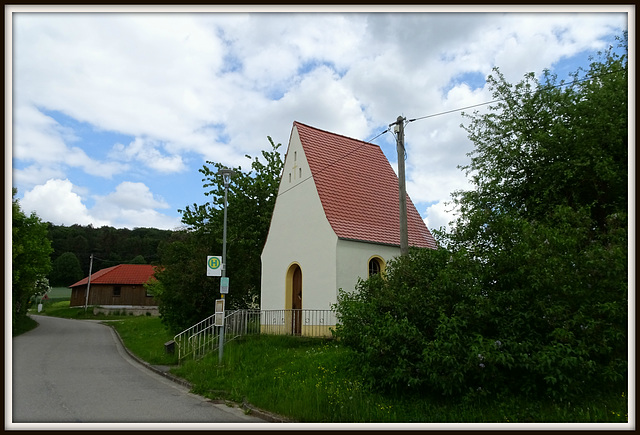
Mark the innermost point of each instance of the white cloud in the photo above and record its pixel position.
(335, 107)
(439, 215)
(130, 205)
(133, 205)
(38, 138)
(58, 203)
(35, 174)
(147, 75)
(214, 86)
(145, 152)
(131, 196)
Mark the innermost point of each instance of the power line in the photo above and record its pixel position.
(453, 110)
(434, 115)
(502, 99)
(376, 137)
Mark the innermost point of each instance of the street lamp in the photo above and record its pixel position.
(226, 178)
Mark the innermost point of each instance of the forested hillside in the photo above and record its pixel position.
(73, 246)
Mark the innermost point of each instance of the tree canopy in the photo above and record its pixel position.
(30, 258)
(66, 270)
(528, 293)
(110, 246)
(184, 292)
(548, 144)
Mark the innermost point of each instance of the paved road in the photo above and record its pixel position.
(77, 371)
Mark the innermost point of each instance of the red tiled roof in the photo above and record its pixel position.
(359, 189)
(125, 274)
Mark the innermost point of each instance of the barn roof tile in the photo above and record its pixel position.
(123, 274)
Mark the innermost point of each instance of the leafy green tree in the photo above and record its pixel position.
(184, 293)
(66, 270)
(551, 144)
(121, 244)
(528, 293)
(139, 259)
(185, 296)
(30, 258)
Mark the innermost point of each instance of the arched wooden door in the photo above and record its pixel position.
(296, 302)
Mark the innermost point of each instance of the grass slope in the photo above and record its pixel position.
(313, 380)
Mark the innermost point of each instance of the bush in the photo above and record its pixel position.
(544, 314)
(532, 297)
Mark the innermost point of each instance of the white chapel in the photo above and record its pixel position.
(335, 220)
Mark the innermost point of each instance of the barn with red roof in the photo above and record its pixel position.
(336, 220)
(119, 287)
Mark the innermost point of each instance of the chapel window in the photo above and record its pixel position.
(375, 266)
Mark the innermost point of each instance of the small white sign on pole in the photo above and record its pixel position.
(214, 266)
(219, 317)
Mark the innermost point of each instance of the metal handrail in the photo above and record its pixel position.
(203, 337)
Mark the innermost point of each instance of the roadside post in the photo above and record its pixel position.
(224, 281)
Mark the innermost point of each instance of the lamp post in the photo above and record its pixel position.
(226, 178)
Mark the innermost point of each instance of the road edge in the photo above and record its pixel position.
(265, 415)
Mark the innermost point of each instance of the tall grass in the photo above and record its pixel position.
(313, 380)
(145, 337)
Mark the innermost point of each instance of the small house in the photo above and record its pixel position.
(336, 220)
(118, 288)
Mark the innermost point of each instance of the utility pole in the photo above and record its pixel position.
(404, 233)
(86, 301)
(226, 178)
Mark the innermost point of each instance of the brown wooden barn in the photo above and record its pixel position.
(120, 287)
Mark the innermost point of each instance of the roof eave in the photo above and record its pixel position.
(372, 242)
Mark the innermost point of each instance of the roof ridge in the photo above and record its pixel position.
(335, 134)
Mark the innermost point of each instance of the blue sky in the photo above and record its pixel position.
(112, 115)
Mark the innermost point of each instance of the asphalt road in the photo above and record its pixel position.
(67, 371)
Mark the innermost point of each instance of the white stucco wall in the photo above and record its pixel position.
(301, 233)
(352, 261)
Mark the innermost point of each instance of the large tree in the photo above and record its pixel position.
(528, 293)
(183, 290)
(66, 270)
(547, 144)
(30, 258)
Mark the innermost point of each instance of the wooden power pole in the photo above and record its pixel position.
(404, 233)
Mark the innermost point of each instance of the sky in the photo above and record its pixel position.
(112, 114)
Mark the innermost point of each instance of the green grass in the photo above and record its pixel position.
(62, 309)
(59, 293)
(145, 337)
(311, 380)
(22, 325)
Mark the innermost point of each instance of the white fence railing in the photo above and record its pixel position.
(197, 340)
(203, 337)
